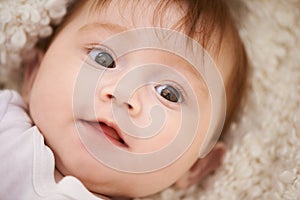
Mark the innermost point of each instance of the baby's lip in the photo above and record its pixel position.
(111, 131)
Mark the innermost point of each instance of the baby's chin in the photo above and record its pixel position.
(120, 193)
(130, 188)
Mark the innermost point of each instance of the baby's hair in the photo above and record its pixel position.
(208, 22)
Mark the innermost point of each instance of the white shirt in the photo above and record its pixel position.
(26, 163)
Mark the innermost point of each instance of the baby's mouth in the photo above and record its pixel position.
(111, 132)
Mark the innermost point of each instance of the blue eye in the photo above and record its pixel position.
(103, 58)
(169, 93)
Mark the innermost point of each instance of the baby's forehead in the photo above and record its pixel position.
(163, 14)
(143, 13)
(205, 25)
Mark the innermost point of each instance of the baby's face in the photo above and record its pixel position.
(68, 105)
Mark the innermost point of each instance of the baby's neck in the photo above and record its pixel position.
(57, 175)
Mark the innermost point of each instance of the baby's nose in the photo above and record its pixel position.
(121, 99)
(111, 97)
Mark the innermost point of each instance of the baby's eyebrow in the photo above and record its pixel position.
(115, 28)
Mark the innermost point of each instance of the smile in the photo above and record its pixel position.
(111, 132)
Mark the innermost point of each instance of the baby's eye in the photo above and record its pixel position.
(169, 92)
(103, 58)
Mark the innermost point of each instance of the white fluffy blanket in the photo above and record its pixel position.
(263, 158)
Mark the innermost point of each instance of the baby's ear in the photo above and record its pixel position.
(203, 167)
(30, 68)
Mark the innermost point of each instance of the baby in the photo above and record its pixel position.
(124, 102)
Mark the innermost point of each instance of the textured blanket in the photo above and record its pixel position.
(263, 158)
